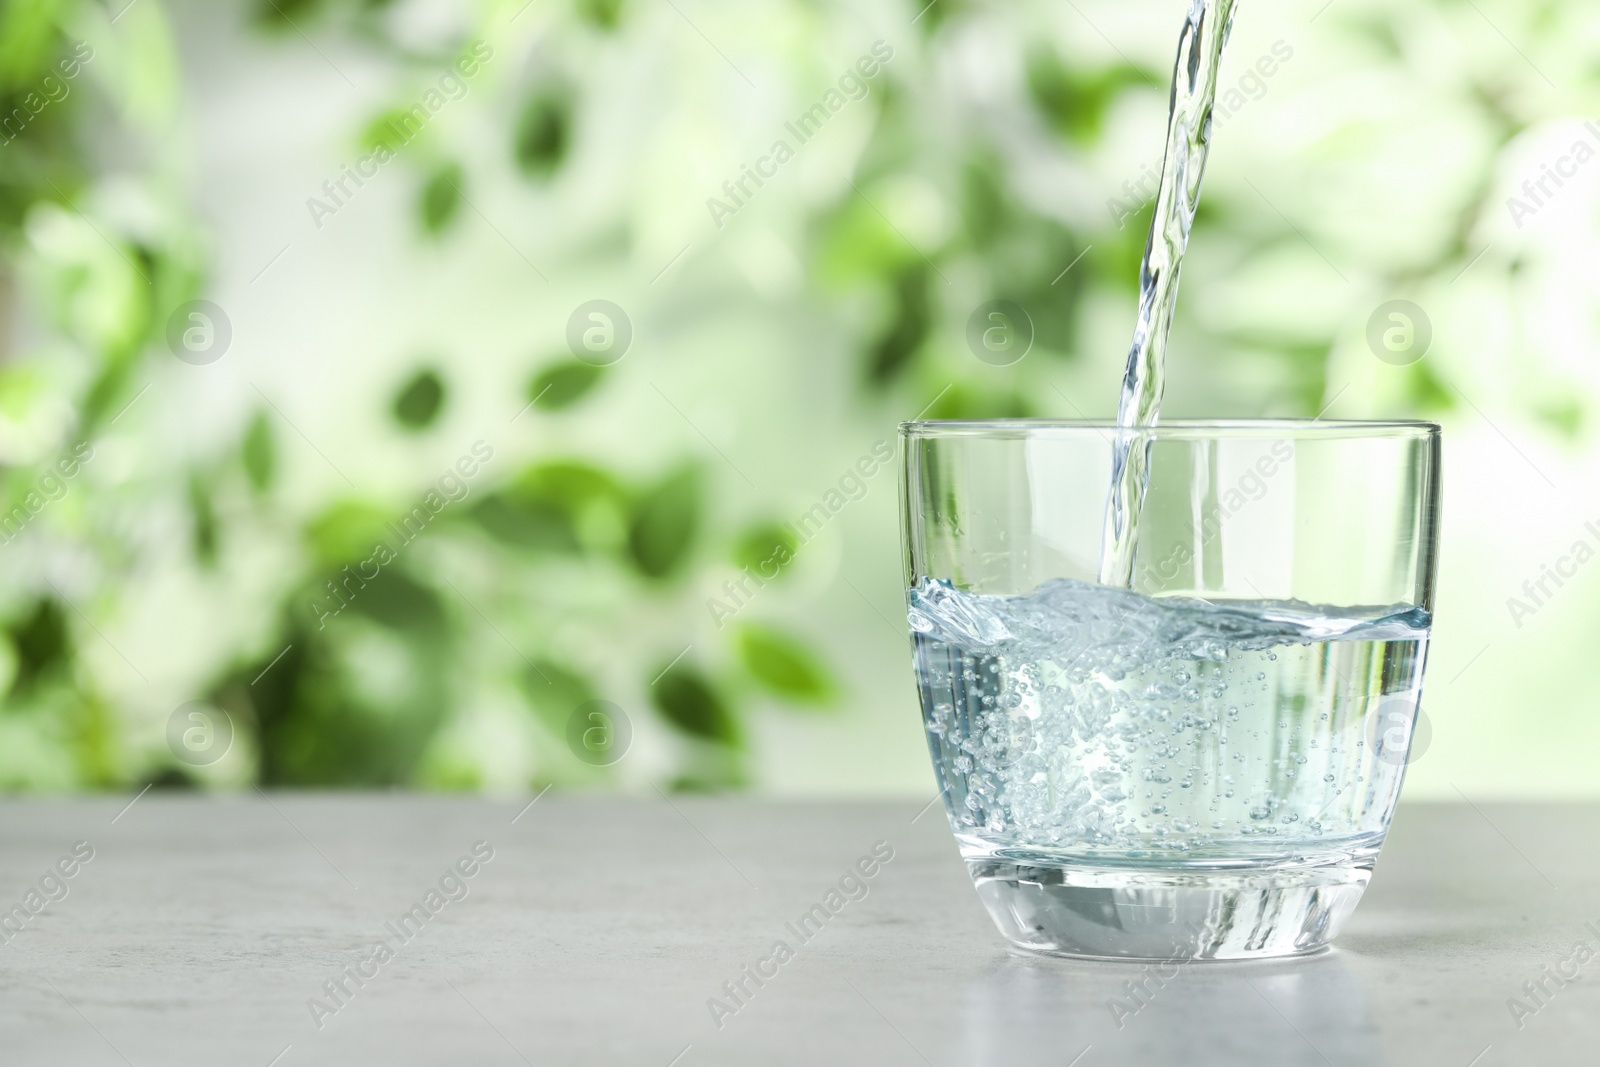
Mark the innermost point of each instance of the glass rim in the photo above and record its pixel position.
(1174, 428)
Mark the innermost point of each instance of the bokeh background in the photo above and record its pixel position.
(206, 502)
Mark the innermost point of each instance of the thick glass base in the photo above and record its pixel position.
(1141, 914)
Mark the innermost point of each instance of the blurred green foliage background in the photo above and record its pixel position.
(233, 529)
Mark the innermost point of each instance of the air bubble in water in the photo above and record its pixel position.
(1059, 699)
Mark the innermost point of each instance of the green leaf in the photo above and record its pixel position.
(286, 16)
(711, 769)
(898, 344)
(1428, 391)
(766, 550)
(563, 384)
(968, 401)
(397, 600)
(205, 520)
(562, 506)
(555, 691)
(389, 130)
(606, 14)
(542, 134)
(571, 483)
(686, 698)
(1077, 102)
(857, 245)
(525, 523)
(783, 665)
(441, 198)
(346, 532)
(28, 37)
(419, 401)
(258, 453)
(43, 644)
(321, 711)
(24, 389)
(983, 201)
(664, 522)
(10, 662)
(1563, 414)
(444, 770)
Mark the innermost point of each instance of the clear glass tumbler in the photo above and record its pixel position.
(1201, 766)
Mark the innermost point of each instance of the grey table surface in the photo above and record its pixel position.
(206, 931)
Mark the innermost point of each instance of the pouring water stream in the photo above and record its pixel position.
(1194, 93)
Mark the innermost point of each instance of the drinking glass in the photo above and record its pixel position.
(1203, 764)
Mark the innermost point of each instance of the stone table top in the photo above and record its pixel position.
(297, 929)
